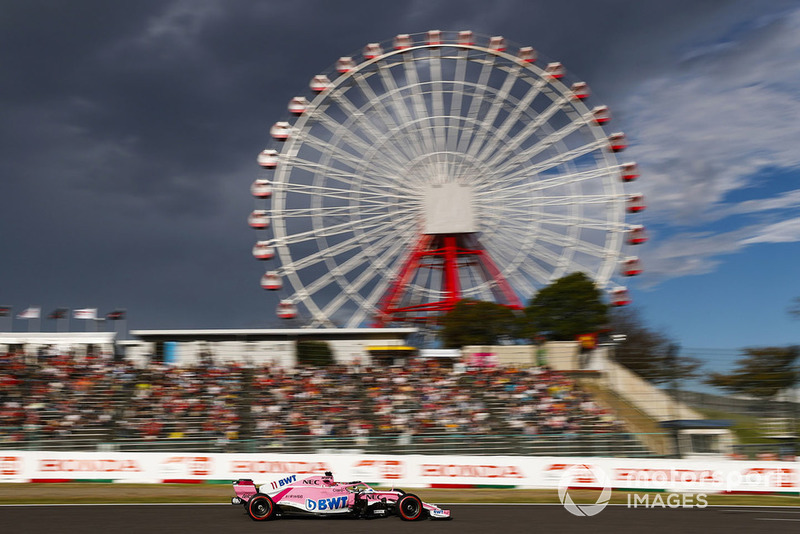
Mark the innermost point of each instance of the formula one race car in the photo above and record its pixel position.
(320, 495)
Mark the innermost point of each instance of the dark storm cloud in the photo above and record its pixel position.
(130, 129)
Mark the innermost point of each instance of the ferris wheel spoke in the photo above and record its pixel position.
(313, 190)
(420, 108)
(549, 163)
(358, 144)
(309, 260)
(398, 105)
(495, 105)
(364, 223)
(510, 145)
(358, 117)
(437, 101)
(476, 100)
(352, 289)
(353, 262)
(517, 112)
(540, 146)
(456, 102)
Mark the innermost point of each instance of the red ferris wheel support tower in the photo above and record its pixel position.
(447, 249)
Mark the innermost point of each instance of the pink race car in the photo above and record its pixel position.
(320, 495)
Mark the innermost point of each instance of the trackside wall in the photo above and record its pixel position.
(413, 471)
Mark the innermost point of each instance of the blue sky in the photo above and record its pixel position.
(130, 132)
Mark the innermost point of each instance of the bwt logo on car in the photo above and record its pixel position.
(334, 503)
(282, 482)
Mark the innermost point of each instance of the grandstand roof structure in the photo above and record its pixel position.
(269, 334)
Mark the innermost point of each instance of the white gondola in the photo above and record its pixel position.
(619, 296)
(402, 41)
(466, 37)
(497, 43)
(630, 266)
(637, 235)
(261, 188)
(258, 219)
(298, 105)
(271, 281)
(287, 309)
(580, 90)
(554, 70)
(635, 203)
(280, 131)
(527, 54)
(617, 142)
(319, 83)
(434, 37)
(345, 64)
(268, 159)
(601, 115)
(629, 171)
(263, 250)
(372, 50)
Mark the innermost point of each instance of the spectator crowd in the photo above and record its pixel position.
(55, 395)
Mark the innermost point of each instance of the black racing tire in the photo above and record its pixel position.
(409, 508)
(260, 507)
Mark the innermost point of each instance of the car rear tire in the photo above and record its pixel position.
(409, 507)
(261, 508)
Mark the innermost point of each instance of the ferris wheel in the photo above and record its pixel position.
(437, 167)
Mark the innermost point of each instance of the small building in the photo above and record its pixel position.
(259, 346)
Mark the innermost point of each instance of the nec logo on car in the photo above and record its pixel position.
(333, 503)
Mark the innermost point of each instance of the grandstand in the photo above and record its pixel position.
(57, 399)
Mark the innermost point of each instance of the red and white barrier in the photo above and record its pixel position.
(707, 476)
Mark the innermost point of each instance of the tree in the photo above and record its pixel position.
(316, 353)
(794, 308)
(473, 322)
(650, 354)
(570, 306)
(761, 372)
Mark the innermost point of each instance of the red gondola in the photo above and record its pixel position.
(268, 159)
(630, 266)
(617, 142)
(319, 83)
(601, 115)
(287, 309)
(271, 281)
(580, 90)
(497, 43)
(259, 219)
(554, 70)
(261, 188)
(345, 64)
(402, 41)
(635, 203)
(629, 172)
(434, 37)
(466, 38)
(298, 105)
(372, 50)
(637, 235)
(619, 296)
(280, 131)
(263, 250)
(527, 54)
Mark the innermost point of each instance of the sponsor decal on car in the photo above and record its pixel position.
(282, 482)
(321, 505)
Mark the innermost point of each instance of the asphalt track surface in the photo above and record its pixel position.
(216, 519)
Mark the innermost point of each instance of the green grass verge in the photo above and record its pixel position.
(90, 493)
